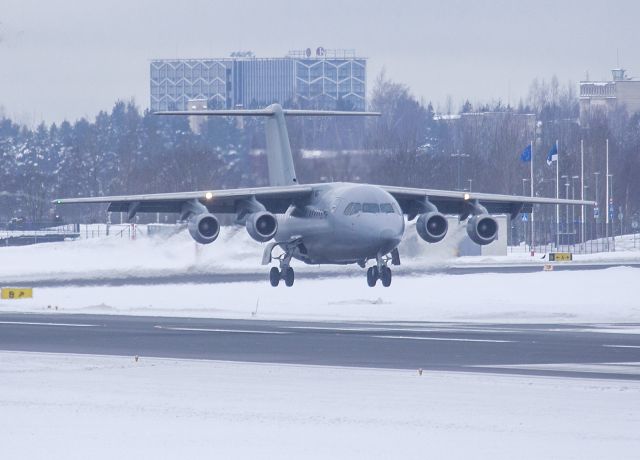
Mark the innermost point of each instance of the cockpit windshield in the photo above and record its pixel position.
(352, 208)
(370, 208)
(386, 208)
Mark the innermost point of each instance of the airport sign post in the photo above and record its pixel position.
(16, 293)
(560, 257)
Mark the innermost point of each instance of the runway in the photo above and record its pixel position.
(162, 277)
(603, 351)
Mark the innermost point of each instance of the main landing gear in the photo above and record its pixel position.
(380, 271)
(285, 272)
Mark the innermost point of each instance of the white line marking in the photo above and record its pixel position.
(613, 330)
(342, 329)
(622, 346)
(398, 329)
(598, 368)
(25, 323)
(236, 331)
(440, 338)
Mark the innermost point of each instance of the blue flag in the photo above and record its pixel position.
(526, 154)
(552, 155)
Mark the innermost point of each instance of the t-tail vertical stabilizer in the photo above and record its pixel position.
(279, 157)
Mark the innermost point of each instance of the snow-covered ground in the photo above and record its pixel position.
(77, 407)
(233, 252)
(576, 296)
(566, 296)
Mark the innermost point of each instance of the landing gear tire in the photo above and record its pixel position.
(274, 276)
(385, 276)
(372, 276)
(288, 276)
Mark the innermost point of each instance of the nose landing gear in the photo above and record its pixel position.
(380, 271)
(372, 276)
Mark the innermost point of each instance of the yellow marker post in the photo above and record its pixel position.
(16, 293)
(560, 257)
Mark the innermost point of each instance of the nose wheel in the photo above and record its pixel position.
(372, 276)
(383, 274)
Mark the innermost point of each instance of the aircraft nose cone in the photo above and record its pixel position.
(389, 239)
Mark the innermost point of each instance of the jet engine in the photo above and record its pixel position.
(262, 226)
(204, 228)
(482, 229)
(432, 226)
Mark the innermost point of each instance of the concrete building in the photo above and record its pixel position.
(319, 78)
(607, 95)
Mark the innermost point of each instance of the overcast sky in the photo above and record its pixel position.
(72, 58)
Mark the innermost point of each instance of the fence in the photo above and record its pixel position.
(32, 233)
(575, 237)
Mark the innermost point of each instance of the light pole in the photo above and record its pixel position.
(612, 217)
(566, 195)
(470, 182)
(597, 219)
(573, 208)
(585, 190)
(459, 156)
(566, 179)
(524, 182)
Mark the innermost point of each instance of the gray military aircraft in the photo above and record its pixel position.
(327, 223)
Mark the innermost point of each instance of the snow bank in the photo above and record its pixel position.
(233, 252)
(561, 296)
(77, 407)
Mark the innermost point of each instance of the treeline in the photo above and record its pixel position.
(478, 147)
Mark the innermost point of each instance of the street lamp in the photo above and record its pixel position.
(459, 156)
(566, 179)
(566, 195)
(573, 208)
(597, 219)
(612, 217)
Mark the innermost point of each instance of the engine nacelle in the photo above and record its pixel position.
(262, 226)
(482, 229)
(204, 228)
(432, 227)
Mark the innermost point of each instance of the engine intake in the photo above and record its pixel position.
(262, 226)
(432, 227)
(482, 229)
(204, 228)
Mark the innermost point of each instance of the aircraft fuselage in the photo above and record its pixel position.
(343, 224)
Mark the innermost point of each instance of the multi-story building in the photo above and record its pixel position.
(607, 95)
(321, 78)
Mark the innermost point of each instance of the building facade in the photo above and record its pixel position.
(607, 95)
(323, 79)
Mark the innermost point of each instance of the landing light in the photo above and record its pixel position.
(208, 195)
(467, 196)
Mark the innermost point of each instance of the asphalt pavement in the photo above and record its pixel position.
(162, 277)
(609, 351)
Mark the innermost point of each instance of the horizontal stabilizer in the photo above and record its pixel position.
(269, 112)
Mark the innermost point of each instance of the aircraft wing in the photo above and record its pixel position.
(456, 202)
(275, 199)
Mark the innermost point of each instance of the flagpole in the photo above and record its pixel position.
(532, 218)
(557, 196)
(582, 190)
(606, 203)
